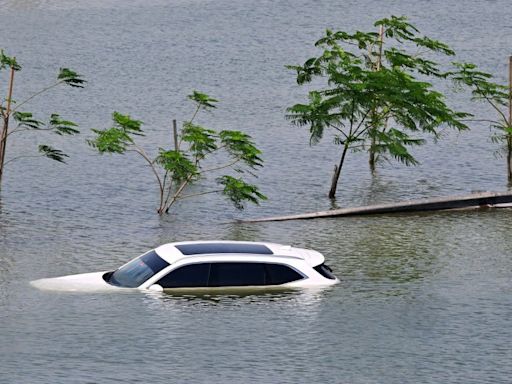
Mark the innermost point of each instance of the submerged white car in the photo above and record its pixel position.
(199, 264)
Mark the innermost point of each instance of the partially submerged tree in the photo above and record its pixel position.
(25, 121)
(178, 168)
(376, 95)
(498, 97)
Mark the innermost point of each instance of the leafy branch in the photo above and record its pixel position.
(25, 121)
(497, 96)
(177, 169)
(375, 95)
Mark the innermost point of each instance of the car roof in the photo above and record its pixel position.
(173, 252)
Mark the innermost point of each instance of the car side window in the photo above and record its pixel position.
(229, 274)
(281, 274)
(193, 275)
(237, 274)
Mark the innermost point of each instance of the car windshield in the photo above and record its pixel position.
(137, 271)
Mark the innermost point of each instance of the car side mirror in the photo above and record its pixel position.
(156, 288)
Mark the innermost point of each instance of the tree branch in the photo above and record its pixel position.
(481, 120)
(151, 163)
(21, 129)
(492, 104)
(195, 113)
(198, 194)
(36, 94)
(359, 125)
(221, 166)
(21, 157)
(337, 129)
(176, 194)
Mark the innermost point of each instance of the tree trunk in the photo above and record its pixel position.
(372, 158)
(509, 160)
(3, 141)
(3, 134)
(336, 175)
(334, 182)
(509, 136)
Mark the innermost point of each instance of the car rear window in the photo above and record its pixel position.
(281, 274)
(325, 271)
(137, 271)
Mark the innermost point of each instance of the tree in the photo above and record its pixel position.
(376, 94)
(26, 121)
(498, 96)
(177, 168)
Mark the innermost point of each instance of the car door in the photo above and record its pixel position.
(187, 276)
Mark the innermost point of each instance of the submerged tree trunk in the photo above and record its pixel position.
(337, 172)
(3, 140)
(373, 158)
(509, 159)
(7, 115)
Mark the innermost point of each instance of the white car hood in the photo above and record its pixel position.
(85, 282)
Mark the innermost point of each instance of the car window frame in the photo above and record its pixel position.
(157, 278)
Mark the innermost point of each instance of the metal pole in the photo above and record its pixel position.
(175, 135)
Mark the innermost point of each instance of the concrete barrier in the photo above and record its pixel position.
(472, 201)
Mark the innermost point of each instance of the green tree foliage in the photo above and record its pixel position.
(376, 96)
(25, 121)
(178, 168)
(498, 97)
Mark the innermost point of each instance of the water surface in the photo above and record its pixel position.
(424, 298)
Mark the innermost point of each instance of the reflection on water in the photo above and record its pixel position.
(243, 232)
(240, 296)
(400, 250)
(297, 304)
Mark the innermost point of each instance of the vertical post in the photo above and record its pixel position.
(509, 123)
(3, 133)
(372, 159)
(510, 91)
(175, 135)
(381, 40)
